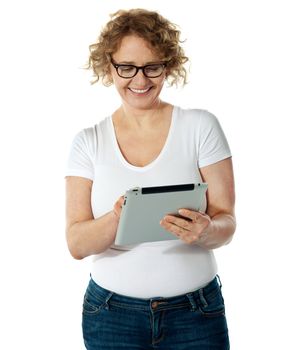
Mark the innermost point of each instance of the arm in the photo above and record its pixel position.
(217, 226)
(86, 235)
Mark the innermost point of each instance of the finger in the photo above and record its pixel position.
(183, 234)
(180, 222)
(117, 209)
(170, 227)
(171, 224)
(194, 216)
(118, 206)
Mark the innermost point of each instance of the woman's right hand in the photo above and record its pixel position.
(118, 207)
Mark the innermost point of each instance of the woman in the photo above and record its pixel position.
(162, 295)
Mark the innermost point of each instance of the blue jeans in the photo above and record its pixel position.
(195, 320)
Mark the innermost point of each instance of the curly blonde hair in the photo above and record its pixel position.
(161, 34)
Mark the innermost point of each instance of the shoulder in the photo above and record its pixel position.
(197, 116)
(90, 134)
(85, 138)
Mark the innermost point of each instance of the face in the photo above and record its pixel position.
(139, 92)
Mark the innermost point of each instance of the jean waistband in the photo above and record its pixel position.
(199, 296)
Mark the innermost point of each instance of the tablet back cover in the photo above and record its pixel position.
(144, 208)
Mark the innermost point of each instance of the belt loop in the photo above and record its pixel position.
(107, 299)
(190, 297)
(219, 281)
(202, 298)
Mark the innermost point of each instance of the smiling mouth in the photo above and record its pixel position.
(140, 91)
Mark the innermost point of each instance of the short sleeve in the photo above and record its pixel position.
(81, 158)
(213, 145)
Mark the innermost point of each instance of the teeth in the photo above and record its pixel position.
(139, 91)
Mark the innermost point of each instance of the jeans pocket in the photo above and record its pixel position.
(214, 305)
(92, 305)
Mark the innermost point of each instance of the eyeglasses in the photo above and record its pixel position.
(128, 71)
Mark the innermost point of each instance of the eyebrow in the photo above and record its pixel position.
(133, 63)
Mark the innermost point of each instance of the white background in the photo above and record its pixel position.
(241, 70)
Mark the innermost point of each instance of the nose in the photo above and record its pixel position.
(140, 77)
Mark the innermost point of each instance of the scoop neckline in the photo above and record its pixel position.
(159, 156)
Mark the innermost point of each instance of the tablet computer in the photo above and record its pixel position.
(145, 207)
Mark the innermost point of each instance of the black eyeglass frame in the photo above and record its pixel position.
(117, 66)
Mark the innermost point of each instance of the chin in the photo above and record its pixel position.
(141, 102)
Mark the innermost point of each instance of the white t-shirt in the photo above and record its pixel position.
(153, 269)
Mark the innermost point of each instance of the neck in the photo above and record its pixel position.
(139, 118)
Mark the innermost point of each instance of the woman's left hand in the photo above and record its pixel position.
(192, 227)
